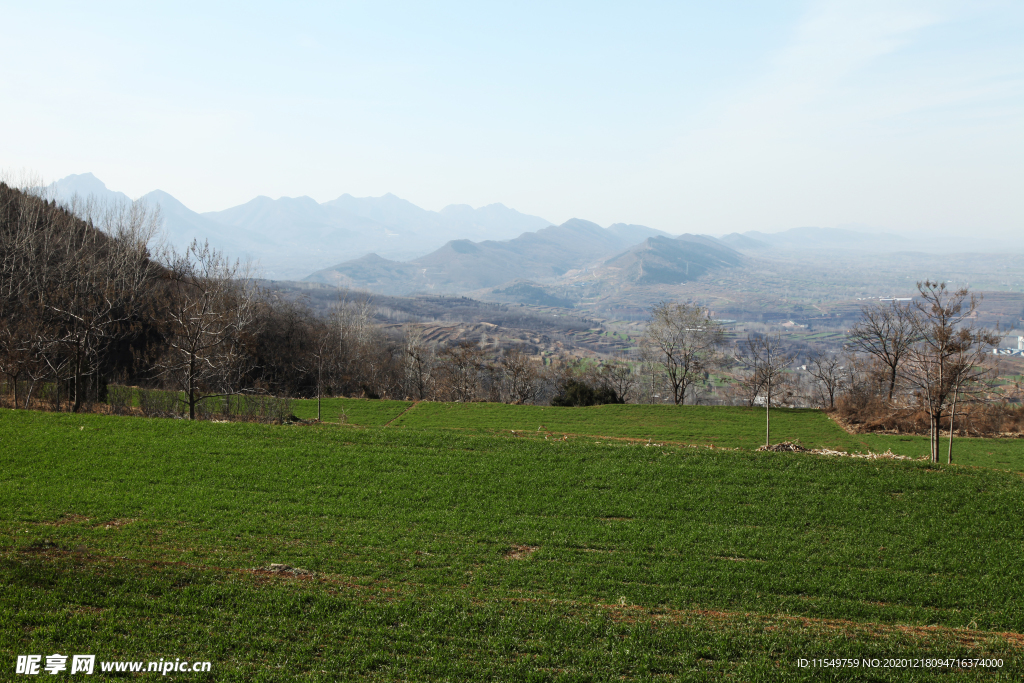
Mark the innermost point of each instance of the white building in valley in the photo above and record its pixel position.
(1009, 350)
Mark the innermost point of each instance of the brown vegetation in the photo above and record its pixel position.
(978, 419)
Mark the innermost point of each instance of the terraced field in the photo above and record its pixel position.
(443, 547)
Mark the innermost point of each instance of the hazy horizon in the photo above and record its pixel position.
(853, 228)
(684, 118)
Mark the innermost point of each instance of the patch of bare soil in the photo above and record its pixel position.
(116, 523)
(45, 546)
(521, 552)
(67, 519)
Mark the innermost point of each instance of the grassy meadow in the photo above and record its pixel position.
(714, 426)
(428, 542)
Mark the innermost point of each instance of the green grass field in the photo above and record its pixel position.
(444, 548)
(721, 427)
(352, 411)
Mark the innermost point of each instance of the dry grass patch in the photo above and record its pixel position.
(521, 552)
(67, 519)
(277, 568)
(116, 523)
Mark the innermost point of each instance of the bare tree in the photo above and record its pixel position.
(323, 354)
(458, 370)
(887, 332)
(970, 374)
(211, 305)
(685, 341)
(949, 344)
(71, 279)
(520, 377)
(621, 378)
(767, 362)
(366, 358)
(829, 374)
(745, 386)
(650, 375)
(418, 362)
(17, 355)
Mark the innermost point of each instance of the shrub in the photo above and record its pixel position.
(575, 393)
(120, 399)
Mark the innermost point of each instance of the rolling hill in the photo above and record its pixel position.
(543, 256)
(667, 261)
(463, 265)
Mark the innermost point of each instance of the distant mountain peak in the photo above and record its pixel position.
(83, 185)
(81, 181)
(88, 176)
(663, 260)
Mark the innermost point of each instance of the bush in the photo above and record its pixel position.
(575, 393)
(120, 399)
(156, 403)
(875, 415)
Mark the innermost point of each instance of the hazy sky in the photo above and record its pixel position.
(685, 116)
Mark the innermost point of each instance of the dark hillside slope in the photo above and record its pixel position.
(73, 299)
(371, 272)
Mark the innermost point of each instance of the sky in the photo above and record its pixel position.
(710, 117)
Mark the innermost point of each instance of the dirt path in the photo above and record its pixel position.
(400, 414)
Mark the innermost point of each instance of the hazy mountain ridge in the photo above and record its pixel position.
(293, 236)
(389, 244)
(464, 265)
(621, 252)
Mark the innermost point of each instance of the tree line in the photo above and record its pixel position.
(88, 298)
(927, 356)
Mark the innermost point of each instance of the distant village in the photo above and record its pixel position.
(1008, 350)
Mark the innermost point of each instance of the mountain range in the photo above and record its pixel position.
(633, 254)
(293, 236)
(388, 244)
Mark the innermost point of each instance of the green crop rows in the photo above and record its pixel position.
(721, 427)
(443, 547)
